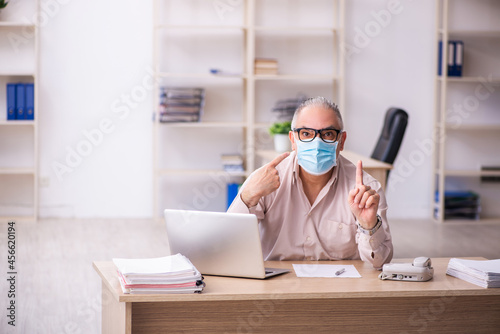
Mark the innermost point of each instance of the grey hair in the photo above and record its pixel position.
(318, 101)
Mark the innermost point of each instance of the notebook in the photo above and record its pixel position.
(218, 243)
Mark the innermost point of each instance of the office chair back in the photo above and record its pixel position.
(392, 134)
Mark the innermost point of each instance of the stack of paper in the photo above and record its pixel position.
(181, 104)
(170, 274)
(483, 273)
(232, 163)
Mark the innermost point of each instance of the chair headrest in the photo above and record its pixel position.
(392, 117)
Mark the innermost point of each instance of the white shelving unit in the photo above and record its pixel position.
(193, 36)
(467, 117)
(19, 45)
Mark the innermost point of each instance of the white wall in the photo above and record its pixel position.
(391, 62)
(93, 57)
(95, 66)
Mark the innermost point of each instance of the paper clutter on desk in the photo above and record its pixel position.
(485, 273)
(169, 274)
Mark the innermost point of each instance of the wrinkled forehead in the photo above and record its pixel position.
(317, 117)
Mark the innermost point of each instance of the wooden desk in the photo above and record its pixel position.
(375, 168)
(287, 304)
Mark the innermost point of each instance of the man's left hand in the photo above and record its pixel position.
(363, 201)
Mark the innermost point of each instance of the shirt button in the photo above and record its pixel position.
(340, 226)
(308, 238)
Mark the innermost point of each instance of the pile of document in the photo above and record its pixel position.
(169, 274)
(460, 205)
(181, 104)
(232, 163)
(265, 66)
(284, 109)
(484, 273)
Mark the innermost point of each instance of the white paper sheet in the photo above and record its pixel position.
(325, 270)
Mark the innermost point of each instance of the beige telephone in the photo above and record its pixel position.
(419, 271)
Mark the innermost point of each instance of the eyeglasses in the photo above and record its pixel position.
(328, 135)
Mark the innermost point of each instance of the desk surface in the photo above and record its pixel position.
(288, 286)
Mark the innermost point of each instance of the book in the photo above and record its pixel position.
(484, 273)
(169, 274)
(11, 101)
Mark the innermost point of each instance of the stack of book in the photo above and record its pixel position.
(284, 109)
(169, 274)
(20, 101)
(265, 66)
(459, 205)
(232, 163)
(484, 273)
(180, 104)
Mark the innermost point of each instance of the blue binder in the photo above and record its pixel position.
(232, 191)
(20, 101)
(459, 58)
(11, 101)
(30, 101)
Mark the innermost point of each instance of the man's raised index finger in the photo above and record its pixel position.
(279, 159)
(359, 173)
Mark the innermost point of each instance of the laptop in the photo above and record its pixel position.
(218, 243)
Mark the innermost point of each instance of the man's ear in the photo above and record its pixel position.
(292, 140)
(343, 137)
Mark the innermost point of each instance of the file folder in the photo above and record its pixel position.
(20, 101)
(459, 58)
(11, 101)
(30, 101)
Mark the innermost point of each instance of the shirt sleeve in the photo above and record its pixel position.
(377, 249)
(238, 206)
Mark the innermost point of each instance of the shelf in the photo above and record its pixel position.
(17, 171)
(296, 28)
(473, 127)
(321, 77)
(472, 33)
(199, 75)
(17, 74)
(471, 221)
(241, 96)
(199, 172)
(17, 123)
(469, 173)
(14, 24)
(203, 124)
(17, 218)
(201, 27)
(479, 79)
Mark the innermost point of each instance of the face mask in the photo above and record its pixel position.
(316, 156)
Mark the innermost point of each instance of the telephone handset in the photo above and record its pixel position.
(419, 271)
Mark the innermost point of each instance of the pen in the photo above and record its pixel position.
(340, 272)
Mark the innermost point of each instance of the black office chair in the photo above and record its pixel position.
(391, 137)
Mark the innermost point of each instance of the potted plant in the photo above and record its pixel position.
(279, 131)
(3, 4)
